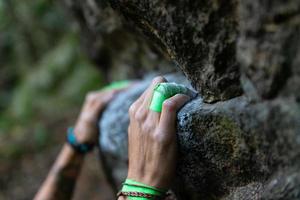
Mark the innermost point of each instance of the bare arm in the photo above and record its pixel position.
(62, 178)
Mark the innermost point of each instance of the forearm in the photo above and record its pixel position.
(62, 178)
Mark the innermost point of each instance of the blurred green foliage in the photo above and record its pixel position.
(43, 74)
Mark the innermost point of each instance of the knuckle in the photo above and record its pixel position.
(132, 109)
(158, 79)
(169, 106)
(129, 130)
(159, 137)
(90, 96)
(140, 116)
(147, 127)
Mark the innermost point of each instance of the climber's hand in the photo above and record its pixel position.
(86, 127)
(152, 139)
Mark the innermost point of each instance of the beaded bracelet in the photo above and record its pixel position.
(78, 147)
(134, 190)
(141, 195)
(135, 194)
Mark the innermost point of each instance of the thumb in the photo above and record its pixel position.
(170, 108)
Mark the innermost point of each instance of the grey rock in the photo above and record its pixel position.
(269, 46)
(200, 36)
(233, 143)
(213, 42)
(112, 45)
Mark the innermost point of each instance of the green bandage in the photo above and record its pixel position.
(133, 186)
(164, 91)
(117, 85)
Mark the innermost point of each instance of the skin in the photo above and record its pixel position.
(61, 180)
(152, 145)
(152, 139)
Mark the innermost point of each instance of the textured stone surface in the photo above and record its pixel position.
(208, 40)
(117, 51)
(200, 36)
(269, 45)
(234, 143)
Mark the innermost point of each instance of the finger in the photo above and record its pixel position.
(147, 97)
(105, 98)
(153, 117)
(139, 103)
(169, 110)
(108, 93)
(149, 92)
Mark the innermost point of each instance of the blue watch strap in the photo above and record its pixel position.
(80, 148)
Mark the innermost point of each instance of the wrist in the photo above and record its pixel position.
(149, 179)
(81, 148)
(85, 132)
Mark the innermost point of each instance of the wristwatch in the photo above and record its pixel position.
(78, 147)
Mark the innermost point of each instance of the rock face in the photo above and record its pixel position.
(111, 45)
(269, 46)
(199, 35)
(241, 138)
(236, 144)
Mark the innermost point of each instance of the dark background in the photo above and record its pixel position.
(44, 76)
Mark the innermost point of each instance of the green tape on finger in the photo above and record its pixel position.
(164, 91)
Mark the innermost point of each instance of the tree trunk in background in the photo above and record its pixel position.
(241, 139)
